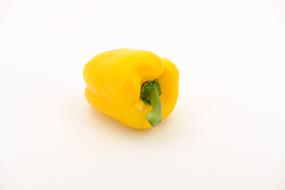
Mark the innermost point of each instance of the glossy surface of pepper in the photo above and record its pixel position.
(115, 80)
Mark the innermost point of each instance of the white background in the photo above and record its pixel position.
(227, 131)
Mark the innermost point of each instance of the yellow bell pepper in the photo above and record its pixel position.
(135, 87)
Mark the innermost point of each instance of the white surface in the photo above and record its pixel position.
(227, 131)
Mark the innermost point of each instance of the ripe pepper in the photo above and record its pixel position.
(135, 87)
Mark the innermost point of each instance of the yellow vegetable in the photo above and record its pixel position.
(135, 87)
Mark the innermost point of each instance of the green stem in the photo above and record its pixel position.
(150, 94)
(154, 117)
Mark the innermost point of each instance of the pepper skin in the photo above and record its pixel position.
(135, 87)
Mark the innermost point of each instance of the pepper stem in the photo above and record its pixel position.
(150, 94)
